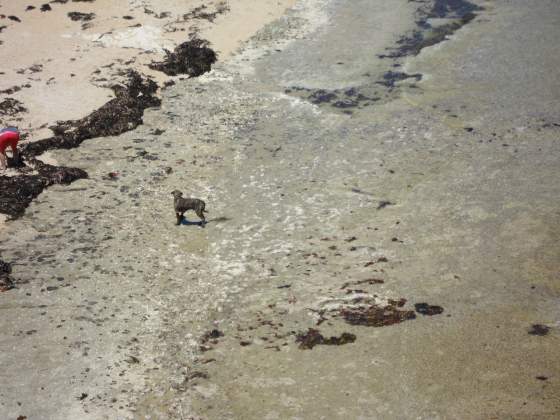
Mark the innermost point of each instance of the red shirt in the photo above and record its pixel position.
(8, 138)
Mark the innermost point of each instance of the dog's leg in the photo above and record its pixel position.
(179, 218)
(200, 214)
(202, 211)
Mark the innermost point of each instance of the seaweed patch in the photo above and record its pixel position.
(313, 337)
(390, 78)
(16, 192)
(459, 12)
(10, 107)
(376, 315)
(210, 337)
(539, 329)
(321, 96)
(6, 282)
(337, 98)
(193, 58)
(77, 16)
(425, 309)
(358, 282)
(201, 12)
(452, 9)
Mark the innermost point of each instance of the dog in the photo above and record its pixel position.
(182, 205)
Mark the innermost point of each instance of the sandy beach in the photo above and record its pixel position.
(59, 67)
(381, 180)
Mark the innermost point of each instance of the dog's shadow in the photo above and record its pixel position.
(185, 222)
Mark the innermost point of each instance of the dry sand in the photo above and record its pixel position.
(63, 66)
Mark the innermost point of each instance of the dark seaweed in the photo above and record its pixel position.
(14, 89)
(193, 57)
(341, 99)
(10, 107)
(85, 17)
(211, 335)
(392, 77)
(461, 10)
(313, 337)
(376, 316)
(366, 281)
(16, 192)
(345, 103)
(452, 9)
(383, 204)
(539, 329)
(6, 282)
(425, 309)
(321, 96)
(201, 12)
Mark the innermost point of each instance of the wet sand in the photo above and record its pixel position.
(332, 195)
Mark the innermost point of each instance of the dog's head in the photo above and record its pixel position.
(176, 194)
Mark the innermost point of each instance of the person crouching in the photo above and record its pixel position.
(8, 137)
